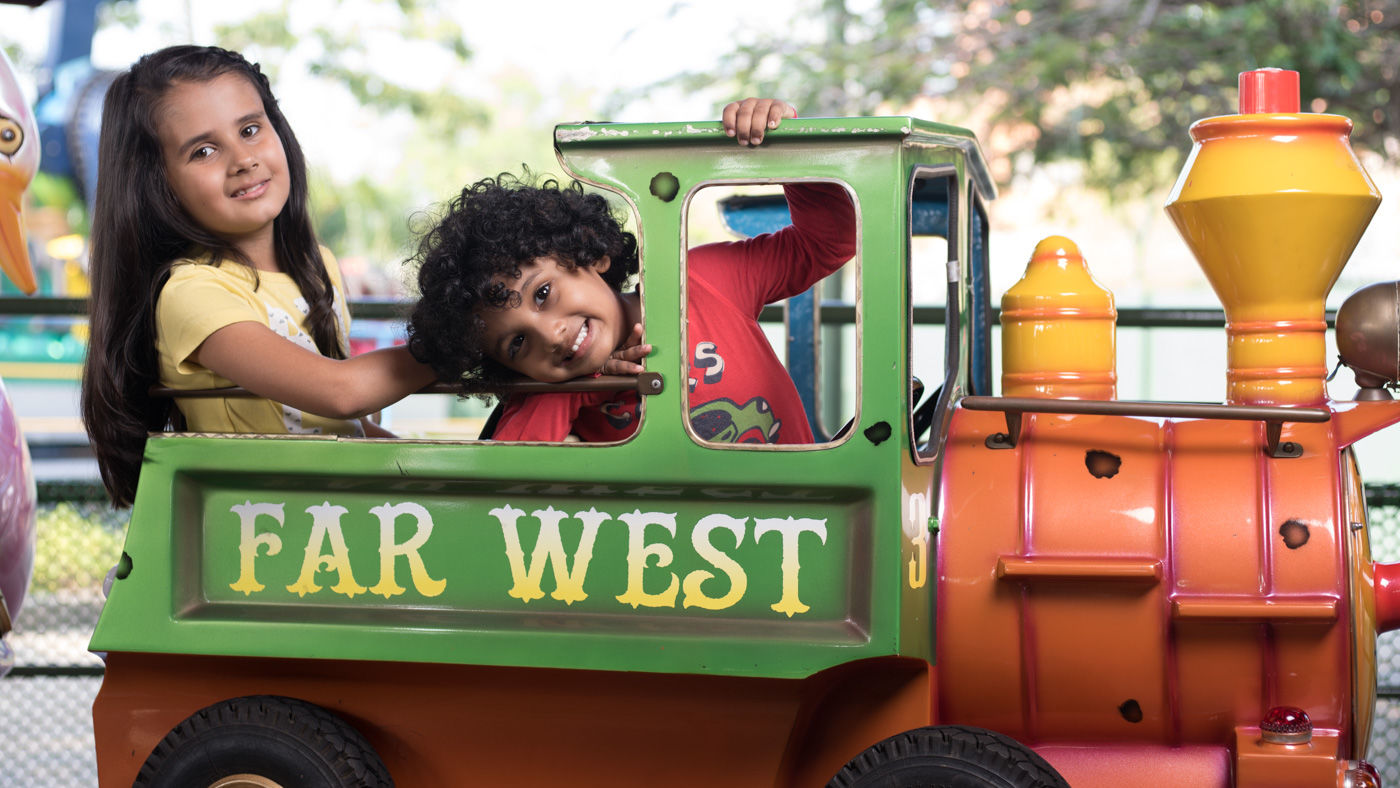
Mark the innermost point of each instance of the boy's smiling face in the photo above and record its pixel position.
(566, 324)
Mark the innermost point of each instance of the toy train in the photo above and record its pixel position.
(1047, 587)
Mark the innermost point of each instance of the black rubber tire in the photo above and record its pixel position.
(948, 756)
(285, 741)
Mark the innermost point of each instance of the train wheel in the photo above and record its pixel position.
(950, 756)
(263, 742)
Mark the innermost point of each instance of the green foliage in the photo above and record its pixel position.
(340, 52)
(75, 548)
(361, 216)
(263, 32)
(1114, 84)
(51, 191)
(122, 13)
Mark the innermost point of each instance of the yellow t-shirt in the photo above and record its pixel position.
(201, 298)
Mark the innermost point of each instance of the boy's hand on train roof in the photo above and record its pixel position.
(750, 119)
(626, 359)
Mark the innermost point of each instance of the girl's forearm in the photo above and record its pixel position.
(253, 356)
(377, 379)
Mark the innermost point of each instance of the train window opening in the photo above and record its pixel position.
(811, 335)
(934, 288)
(982, 359)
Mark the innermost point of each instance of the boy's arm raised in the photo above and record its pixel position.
(822, 235)
(269, 365)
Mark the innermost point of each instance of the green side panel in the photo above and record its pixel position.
(365, 550)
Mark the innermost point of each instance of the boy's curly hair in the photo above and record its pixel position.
(487, 231)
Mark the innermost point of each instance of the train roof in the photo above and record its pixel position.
(905, 130)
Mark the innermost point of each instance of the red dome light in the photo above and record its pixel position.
(1286, 725)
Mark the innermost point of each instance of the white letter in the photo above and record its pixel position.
(790, 528)
(325, 523)
(549, 549)
(638, 551)
(738, 581)
(388, 586)
(249, 540)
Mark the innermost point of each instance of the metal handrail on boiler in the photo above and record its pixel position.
(1273, 417)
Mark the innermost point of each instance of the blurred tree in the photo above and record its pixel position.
(338, 48)
(388, 72)
(1113, 83)
(395, 118)
(364, 47)
(362, 217)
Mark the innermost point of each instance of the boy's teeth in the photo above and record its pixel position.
(582, 333)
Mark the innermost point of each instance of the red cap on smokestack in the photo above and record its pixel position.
(1268, 90)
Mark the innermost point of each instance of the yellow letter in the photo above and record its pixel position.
(549, 549)
(325, 523)
(738, 581)
(388, 586)
(918, 522)
(790, 528)
(249, 541)
(638, 551)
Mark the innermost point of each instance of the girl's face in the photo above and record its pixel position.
(567, 324)
(224, 161)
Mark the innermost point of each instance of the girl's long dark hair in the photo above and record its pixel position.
(139, 230)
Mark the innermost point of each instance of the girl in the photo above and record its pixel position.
(206, 271)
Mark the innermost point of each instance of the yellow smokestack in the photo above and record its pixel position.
(1272, 202)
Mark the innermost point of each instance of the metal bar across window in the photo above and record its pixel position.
(832, 312)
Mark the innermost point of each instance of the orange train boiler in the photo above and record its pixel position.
(1189, 583)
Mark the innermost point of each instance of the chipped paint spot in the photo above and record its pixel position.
(1131, 711)
(1295, 534)
(573, 135)
(878, 433)
(587, 133)
(1102, 464)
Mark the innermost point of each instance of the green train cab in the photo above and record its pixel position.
(663, 610)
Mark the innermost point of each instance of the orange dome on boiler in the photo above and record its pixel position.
(1057, 327)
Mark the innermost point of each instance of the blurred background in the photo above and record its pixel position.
(1082, 109)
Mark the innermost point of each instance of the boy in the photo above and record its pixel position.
(525, 280)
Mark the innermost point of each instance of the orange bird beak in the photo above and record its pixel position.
(19, 160)
(14, 252)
